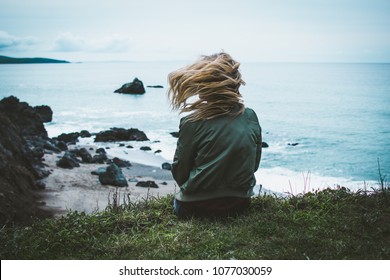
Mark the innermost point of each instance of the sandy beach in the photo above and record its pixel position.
(78, 189)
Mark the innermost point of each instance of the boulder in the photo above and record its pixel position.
(68, 161)
(27, 121)
(69, 138)
(121, 134)
(113, 176)
(44, 112)
(101, 151)
(49, 145)
(147, 184)
(134, 87)
(175, 134)
(85, 134)
(264, 145)
(100, 158)
(84, 154)
(121, 163)
(61, 145)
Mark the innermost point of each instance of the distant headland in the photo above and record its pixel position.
(13, 60)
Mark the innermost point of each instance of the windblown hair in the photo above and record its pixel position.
(213, 82)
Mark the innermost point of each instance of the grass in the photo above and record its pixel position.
(328, 224)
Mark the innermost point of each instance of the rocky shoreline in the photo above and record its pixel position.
(35, 170)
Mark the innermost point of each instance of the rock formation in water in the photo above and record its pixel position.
(134, 87)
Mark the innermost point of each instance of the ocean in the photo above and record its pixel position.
(327, 125)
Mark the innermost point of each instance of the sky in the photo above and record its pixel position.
(163, 30)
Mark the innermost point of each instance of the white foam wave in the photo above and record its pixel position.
(287, 181)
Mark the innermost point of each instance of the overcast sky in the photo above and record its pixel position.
(250, 30)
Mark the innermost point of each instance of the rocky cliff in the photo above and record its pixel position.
(23, 139)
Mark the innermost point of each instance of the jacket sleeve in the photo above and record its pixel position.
(258, 151)
(259, 142)
(184, 157)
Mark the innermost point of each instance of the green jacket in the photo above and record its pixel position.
(218, 157)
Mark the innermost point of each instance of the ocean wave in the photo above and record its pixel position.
(284, 180)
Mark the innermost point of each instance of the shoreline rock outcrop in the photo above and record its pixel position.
(120, 134)
(23, 141)
(44, 112)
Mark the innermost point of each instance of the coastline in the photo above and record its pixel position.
(78, 190)
(29, 160)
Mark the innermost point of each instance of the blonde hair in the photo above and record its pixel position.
(215, 80)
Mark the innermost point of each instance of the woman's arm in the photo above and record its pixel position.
(184, 157)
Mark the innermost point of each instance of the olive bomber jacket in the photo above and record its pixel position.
(217, 157)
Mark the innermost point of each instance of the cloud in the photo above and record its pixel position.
(67, 42)
(114, 43)
(10, 42)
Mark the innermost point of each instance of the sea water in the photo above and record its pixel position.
(326, 125)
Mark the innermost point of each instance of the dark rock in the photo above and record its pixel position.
(121, 145)
(37, 152)
(293, 144)
(113, 176)
(85, 134)
(51, 147)
(85, 155)
(158, 151)
(147, 184)
(70, 138)
(121, 134)
(121, 163)
(129, 147)
(22, 136)
(155, 86)
(68, 161)
(134, 87)
(99, 158)
(264, 145)
(61, 145)
(145, 148)
(41, 173)
(101, 151)
(24, 117)
(44, 112)
(166, 166)
(175, 134)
